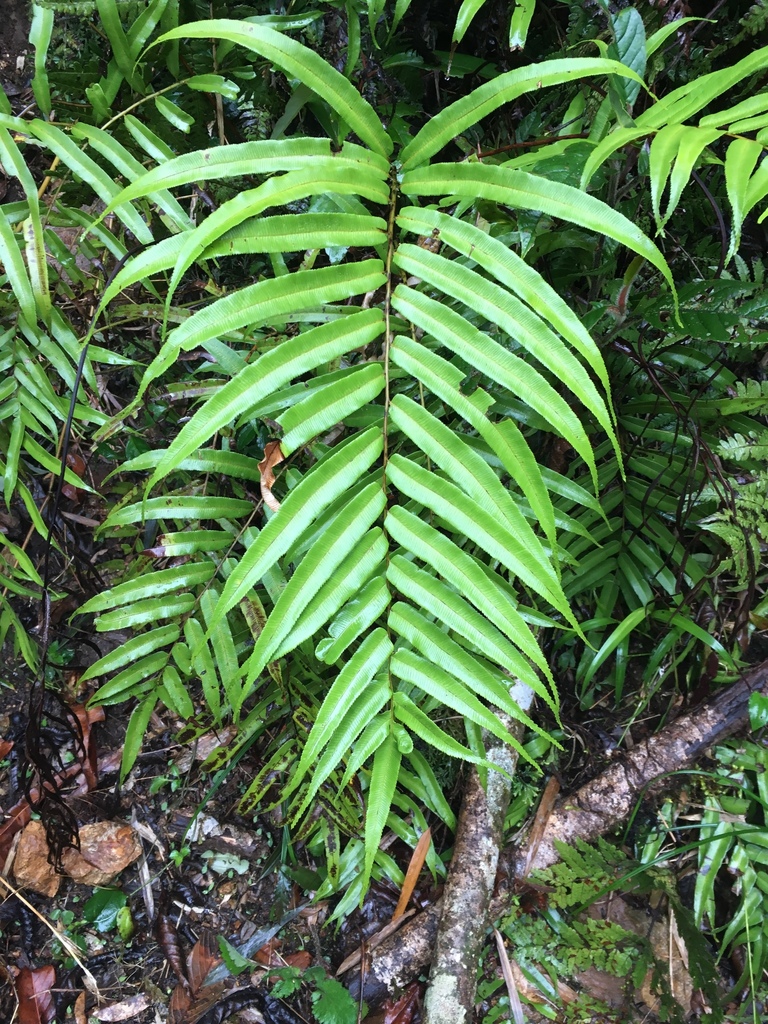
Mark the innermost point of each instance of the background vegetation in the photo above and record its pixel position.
(423, 369)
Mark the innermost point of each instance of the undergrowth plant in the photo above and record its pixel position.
(357, 534)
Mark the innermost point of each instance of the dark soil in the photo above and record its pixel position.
(14, 45)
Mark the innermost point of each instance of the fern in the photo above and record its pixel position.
(407, 550)
(400, 352)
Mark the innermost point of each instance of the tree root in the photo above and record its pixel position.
(593, 810)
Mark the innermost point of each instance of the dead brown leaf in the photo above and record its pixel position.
(31, 868)
(192, 999)
(106, 849)
(302, 959)
(273, 456)
(79, 1009)
(418, 857)
(123, 1010)
(33, 988)
(543, 814)
(403, 1009)
(203, 957)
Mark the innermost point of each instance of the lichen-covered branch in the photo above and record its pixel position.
(607, 801)
(464, 921)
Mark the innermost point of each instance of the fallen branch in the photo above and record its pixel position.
(469, 888)
(405, 955)
(607, 801)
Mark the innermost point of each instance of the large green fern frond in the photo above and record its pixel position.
(413, 544)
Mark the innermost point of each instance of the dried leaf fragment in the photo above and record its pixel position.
(273, 456)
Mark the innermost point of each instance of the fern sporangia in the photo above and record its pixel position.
(417, 547)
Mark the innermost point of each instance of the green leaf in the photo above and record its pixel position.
(152, 584)
(109, 16)
(135, 679)
(339, 539)
(520, 23)
(682, 103)
(90, 172)
(175, 694)
(740, 160)
(102, 908)
(124, 923)
(213, 83)
(456, 117)
(413, 718)
(40, 34)
(298, 62)
(174, 114)
(152, 144)
(446, 689)
(657, 39)
(466, 13)
(352, 681)
(684, 144)
(133, 650)
(369, 741)
(332, 1003)
(356, 616)
(629, 47)
(619, 634)
(525, 191)
(180, 507)
(330, 478)
(506, 440)
(718, 836)
(13, 264)
(330, 405)
(224, 651)
(365, 706)
(37, 264)
(134, 735)
(323, 176)
(478, 349)
(436, 646)
(270, 156)
(450, 608)
(205, 667)
(257, 303)
(141, 613)
(350, 579)
(208, 460)
(469, 579)
(129, 167)
(381, 789)
(513, 272)
(467, 469)
(470, 519)
(234, 961)
(294, 232)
